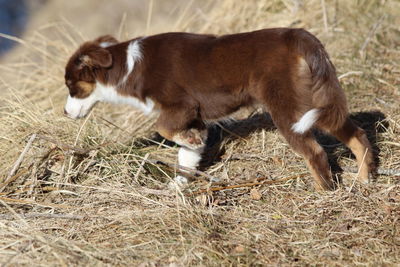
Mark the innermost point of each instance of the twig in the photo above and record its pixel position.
(31, 202)
(21, 156)
(230, 132)
(245, 157)
(18, 162)
(371, 33)
(122, 25)
(250, 184)
(141, 167)
(186, 170)
(12, 179)
(358, 171)
(155, 192)
(325, 16)
(344, 75)
(41, 215)
(77, 150)
(143, 190)
(380, 171)
(149, 16)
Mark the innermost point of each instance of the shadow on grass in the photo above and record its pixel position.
(372, 122)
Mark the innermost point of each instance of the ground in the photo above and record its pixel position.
(95, 191)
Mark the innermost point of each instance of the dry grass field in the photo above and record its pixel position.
(93, 192)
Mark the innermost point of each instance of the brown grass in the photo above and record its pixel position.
(110, 206)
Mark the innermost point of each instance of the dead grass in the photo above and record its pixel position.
(112, 207)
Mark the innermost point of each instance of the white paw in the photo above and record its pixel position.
(178, 183)
(181, 180)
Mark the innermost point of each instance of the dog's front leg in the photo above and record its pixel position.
(188, 158)
(192, 141)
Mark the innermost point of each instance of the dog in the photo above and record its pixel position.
(191, 79)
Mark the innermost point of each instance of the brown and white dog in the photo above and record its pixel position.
(191, 78)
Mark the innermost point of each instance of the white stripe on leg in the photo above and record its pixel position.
(190, 159)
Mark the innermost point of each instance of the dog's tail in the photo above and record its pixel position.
(328, 99)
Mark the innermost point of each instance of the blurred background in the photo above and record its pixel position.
(13, 19)
(90, 18)
(129, 217)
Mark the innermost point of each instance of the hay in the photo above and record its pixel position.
(111, 205)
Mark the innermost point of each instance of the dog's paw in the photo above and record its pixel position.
(192, 138)
(178, 183)
(181, 180)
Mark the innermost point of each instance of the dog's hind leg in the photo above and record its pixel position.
(356, 139)
(297, 132)
(315, 156)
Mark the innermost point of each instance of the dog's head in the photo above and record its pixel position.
(81, 73)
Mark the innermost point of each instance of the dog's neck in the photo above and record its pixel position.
(127, 65)
(119, 84)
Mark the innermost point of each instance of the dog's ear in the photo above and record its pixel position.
(106, 40)
(96, 56)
